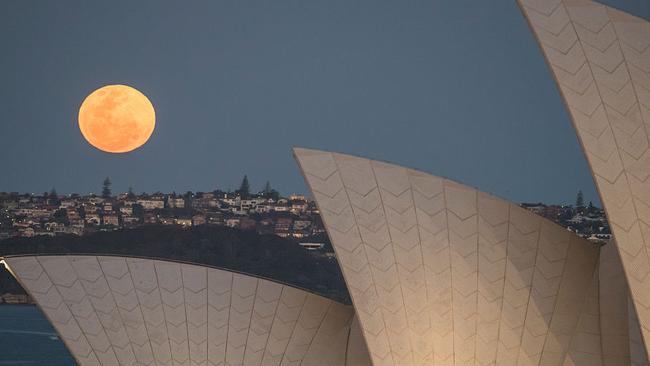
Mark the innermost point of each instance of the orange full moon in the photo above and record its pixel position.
(116, 118)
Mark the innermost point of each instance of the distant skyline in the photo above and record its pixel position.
(458, 89)
(253, 191)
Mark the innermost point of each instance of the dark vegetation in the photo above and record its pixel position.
(267, 256)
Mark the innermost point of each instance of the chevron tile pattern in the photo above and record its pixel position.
(357, 350)
(601, 61)
(586, 347)
(442, 274)
(614, 319)
(114, 311)
(621, 340)
(638, 352)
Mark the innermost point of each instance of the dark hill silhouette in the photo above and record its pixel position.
(267, 256)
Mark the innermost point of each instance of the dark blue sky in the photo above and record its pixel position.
(456, 88)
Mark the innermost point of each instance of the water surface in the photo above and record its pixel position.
(27, 338)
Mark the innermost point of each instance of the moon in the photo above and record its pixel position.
(117, 118)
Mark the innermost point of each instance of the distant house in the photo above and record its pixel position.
(92, 218)
(238, 211)
(157, 196)
(130, 221)
(263, 208)
(53, 226)
(230, 201)
(151, 204)
(88, 208)
(130, 202)
(68, 203)
(175, 202)
(205, 201)
(281, 207)
(246, 205)
(73, 214)
(298, 207)
(95, 200)
(78, 223)
(110, 220)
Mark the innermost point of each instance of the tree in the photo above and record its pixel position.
(53, 197)
(106, 190)
(270, 192)
(61, 216)
(245, 188)
(580, 200)
(188, 198)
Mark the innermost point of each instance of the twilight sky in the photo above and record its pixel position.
(455, 88)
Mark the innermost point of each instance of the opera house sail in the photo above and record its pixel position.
(442, 274)
(114, 311)
(600, 58)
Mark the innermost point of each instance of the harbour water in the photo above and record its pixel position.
(27, 338)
